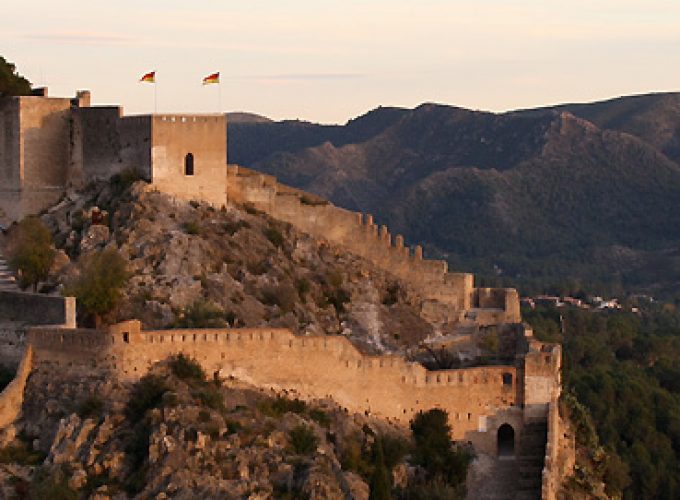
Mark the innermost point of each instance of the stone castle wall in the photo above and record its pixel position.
(449, 296)
(50, 144)
(478, 399)
(34, 154)
(37, 309)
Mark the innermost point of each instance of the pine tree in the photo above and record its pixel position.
(380, 478)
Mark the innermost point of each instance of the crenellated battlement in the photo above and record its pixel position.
(385, 386)
(362, 236)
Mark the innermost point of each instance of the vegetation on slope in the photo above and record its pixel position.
(178, 433)
(623, 368)
(191, 265)
(11, 82)
(531, 199)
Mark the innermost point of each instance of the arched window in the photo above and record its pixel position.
(506, 441)
(507, 379)
(189, 164)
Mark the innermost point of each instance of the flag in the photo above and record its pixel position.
(149, 77)
(214, 78)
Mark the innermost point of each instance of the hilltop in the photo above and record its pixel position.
(582, 194)
(196, 266)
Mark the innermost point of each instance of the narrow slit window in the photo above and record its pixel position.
(189, 164)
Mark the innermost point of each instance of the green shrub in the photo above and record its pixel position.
(274, 236)
(31, 252)
(337, 297)
(202, 314)
(302, 286)
(91, 407)
(233, 427)
(257, 267)
(280, 406)
(192, 227)
(52, 484)
(380, 482)
(320, 417)
(211, 396)
(232, 228)
(123, 180)
(354, 458)
(334, 278)
(391, 294)
(20, 454)
(98, 288)
(186, 368)
(284, 296)
(434, 450)
(394, 448)
(146, 394)
(250, 209)
(302, 439)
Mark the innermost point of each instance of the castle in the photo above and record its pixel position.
(52, 145)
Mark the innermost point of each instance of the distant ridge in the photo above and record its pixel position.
(577, 193)
(241, 117)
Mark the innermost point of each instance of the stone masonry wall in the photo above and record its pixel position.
(37, 309)
(34, 156)
(175, 136)
(361, 236)
(478, 400)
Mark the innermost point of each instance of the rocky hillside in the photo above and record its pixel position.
(577, 192)
(194, 266)
(176, 435)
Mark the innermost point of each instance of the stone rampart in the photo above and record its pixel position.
(12, 397)
(478, 399)
(37, 309)
(550, 478)
(12, 343)
(360, 235)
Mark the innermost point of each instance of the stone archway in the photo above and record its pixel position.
(506, 441)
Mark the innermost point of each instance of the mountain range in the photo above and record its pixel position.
(570, 197)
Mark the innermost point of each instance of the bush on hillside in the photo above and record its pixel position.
(146, 394)
(99, 286)
(187, 368)
(11, 82)
(31, 252)
(302, 439)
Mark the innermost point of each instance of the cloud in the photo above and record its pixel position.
(81, 38)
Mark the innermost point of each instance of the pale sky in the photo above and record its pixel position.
(331, 60)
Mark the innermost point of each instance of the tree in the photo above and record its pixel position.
(31, 252)
(12, 83)
(98, 288)
(434, 450)
(381, 485)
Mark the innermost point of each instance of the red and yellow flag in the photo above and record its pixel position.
(149, 77)
(214, 78)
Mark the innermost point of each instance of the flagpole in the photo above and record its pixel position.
(219, 97)
(155, 99)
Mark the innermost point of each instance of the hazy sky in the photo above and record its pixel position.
(330, 60)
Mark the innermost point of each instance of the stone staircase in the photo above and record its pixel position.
(530, 460)
(7, 279)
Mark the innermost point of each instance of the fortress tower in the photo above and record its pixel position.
(50, 144)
